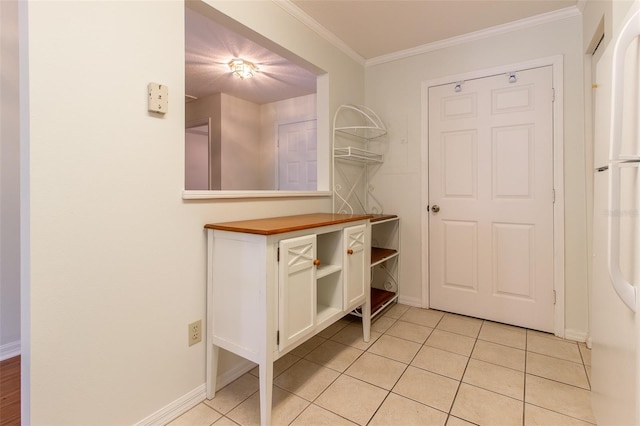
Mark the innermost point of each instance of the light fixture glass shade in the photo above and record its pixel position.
(242, 69)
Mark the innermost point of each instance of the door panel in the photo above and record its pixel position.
(297, 156)
(459, 160)
(461, 255)
(354, 265)
(512, 99)
(458, 106)
(512, 158)
(513, 260)
(297, 277)
(491, 175)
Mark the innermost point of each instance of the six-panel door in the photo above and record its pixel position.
(491, 192)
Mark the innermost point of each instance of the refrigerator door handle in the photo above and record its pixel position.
(625, 290)
(629, 32)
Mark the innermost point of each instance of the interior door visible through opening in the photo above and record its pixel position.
(297, 156)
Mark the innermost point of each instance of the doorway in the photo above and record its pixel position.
(492, 196)
(297, 156)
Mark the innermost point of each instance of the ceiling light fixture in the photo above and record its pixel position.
(242, 69)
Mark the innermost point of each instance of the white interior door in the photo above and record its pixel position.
(297, 156)
(491, 197)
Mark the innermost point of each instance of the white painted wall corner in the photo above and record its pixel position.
(186, 402)
(411, 301)
(575, 335)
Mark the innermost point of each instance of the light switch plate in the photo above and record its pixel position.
(158, 98)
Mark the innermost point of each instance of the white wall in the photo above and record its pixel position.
(240, 135)
(9, 182)
(196, 151)
(117, 257)
(393, 90)
(201, 111)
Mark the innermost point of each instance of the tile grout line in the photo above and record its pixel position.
(406, 366)
(344, 373)
(584, 365)
(453, 401)
(422, 345)
(390, 391)
(524, 381)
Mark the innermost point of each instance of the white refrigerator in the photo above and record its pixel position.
(615, 309)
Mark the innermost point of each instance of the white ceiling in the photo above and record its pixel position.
(367, 28)
(209, 46)
(381, 27)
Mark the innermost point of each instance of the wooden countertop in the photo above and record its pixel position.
(279, 225)
(381, 217)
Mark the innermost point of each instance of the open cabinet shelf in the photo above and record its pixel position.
(385, 239)
(379, 255)
(385, 251)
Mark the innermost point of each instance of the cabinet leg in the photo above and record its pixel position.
(212, 369)
(266, 389)
(366, 320)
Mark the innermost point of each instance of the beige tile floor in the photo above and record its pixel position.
(421, 367)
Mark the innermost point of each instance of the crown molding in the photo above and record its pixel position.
(307, 20)
(533, 21)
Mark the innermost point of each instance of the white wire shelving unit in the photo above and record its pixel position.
(353, 127)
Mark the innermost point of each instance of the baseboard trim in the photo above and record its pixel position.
(575, 335)
(9, 350)
(175, 408)
(411, 301)
(242, 367)
(186, 402)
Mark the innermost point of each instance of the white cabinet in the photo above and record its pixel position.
(297, 304)
(355, 265)
(273, 283)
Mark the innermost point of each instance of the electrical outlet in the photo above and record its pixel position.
(195, 332)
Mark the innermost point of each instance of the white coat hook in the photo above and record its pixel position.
(512, 77)
(458, 87)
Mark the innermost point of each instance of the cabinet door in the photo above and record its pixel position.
(355, 245)
(297, 298)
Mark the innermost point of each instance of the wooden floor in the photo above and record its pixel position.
(10, 391)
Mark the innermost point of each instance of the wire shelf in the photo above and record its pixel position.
(351, 153)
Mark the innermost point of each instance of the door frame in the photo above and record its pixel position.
(556, 63)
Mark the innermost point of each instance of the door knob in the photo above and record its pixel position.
(435, 208)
